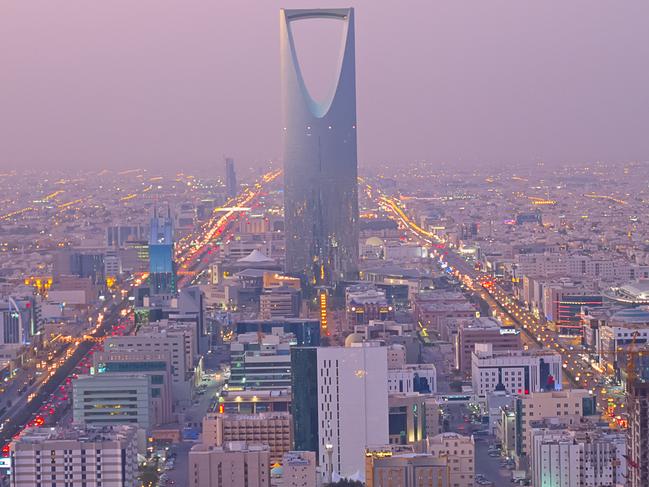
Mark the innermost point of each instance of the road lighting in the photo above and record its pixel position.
(330, 466)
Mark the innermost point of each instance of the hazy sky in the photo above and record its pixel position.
(160, 83)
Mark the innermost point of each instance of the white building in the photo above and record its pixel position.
(413, 378)
(171, 342)
(75, 457)
(342, 393)
(565, 458)
(519, 372)
(108, 399)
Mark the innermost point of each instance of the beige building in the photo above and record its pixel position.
(272, 429)
(76, 457)
(483, 330)
(460, 452)
(235, 464)
(387, 467)
(298, 469)
(569, 405)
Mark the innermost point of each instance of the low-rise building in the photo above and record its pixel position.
(235, 464)
(459, 451)
(75, 457)
(272, 429)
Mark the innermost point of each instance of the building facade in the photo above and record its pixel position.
(320, 160)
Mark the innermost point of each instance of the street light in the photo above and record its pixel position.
(330, 467)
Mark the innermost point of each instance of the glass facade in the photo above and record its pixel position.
(320, 162)
(162, 269)
(304, 386)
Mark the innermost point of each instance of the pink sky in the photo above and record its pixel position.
(177, 84)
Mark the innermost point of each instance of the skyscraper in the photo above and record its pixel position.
(340, 404)
(230, 177)
(162, 269)
(320, 166)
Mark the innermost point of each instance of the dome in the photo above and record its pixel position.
(353, 338)
(276, 471)
(374, 242)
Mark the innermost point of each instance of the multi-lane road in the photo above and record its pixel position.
(25, 408)
(579, 370)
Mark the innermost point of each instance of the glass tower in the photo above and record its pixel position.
(320, 165)
(162, 269)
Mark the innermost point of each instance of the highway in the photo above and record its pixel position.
(579, 370)
(24, 410)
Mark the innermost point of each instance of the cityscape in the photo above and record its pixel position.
(317, 321)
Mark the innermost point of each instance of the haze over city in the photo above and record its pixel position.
(162, 85)
(392, 244)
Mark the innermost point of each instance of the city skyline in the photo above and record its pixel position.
(165, 86)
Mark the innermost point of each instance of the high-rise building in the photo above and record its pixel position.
(235, 464)
(340, 404)
(162, 268)
(638, 433)
(230, 178)
(19, 320)
(320, 160)
(75, 457)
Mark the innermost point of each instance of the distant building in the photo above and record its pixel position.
(235, 464)
(19, 320)
(162, 268)
(260, 365)
(519, 372)
(75, 457)
(280, 302)
(483, 330)
(230, 178)
(306, 330)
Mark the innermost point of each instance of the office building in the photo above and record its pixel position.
(280, 302)
(571, 405)
(168, 342)
(519, 372)
(407, 419)
(272, 429)
(157, 365)
(483, 330)
(254, 401)
(260, 362)
(299, 469)
(340, 404)
(460, 453)
(413, 378)
(162, 268)
(364, 306)
(230, 178)
(305, 330)
(320, 166)
(564, 457)
(75, 457)
(110, 399)
(388, 468)
(119, 235)
(235, 464)
(19, 320)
